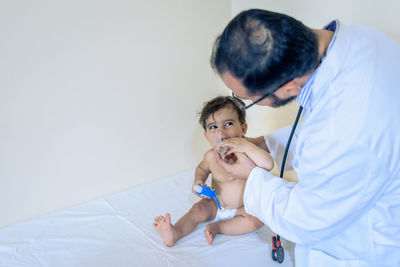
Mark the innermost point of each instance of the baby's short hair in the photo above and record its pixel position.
(217, 103)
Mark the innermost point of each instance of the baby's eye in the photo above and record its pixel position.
(229, 123)
(212, 127)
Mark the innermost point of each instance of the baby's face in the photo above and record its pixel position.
(222, 125)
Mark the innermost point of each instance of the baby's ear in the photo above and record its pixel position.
(244, 128)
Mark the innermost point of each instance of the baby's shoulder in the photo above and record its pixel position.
(209, 156)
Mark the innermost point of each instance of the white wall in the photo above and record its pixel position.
(382, 15)
(98, 96)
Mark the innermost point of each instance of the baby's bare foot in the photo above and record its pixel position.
(211, 231)
(165, 229)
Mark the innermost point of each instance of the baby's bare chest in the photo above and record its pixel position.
(230, 190)
(219, 174)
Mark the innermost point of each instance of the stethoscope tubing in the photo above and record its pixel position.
(285, 155)
(289, 141)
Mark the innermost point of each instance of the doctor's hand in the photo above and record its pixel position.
(238, 168)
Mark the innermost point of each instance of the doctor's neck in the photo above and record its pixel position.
(324, 38)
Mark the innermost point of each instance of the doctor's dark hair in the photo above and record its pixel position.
(265, 50)
(216, 104)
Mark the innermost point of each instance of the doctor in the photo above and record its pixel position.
(345, 208)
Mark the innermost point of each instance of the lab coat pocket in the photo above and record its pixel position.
(320, 258)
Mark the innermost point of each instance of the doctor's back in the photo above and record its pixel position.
(350, 138)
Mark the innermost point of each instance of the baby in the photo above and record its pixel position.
(221, 120)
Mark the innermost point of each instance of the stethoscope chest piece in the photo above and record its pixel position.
(277, 252)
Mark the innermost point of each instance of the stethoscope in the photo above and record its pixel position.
(277, 252)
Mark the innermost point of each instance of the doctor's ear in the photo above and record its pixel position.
(291, 88)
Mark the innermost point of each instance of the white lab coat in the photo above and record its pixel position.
(345, 208)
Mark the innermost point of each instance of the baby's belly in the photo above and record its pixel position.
(230, 194)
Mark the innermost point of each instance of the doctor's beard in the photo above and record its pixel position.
(277, 102)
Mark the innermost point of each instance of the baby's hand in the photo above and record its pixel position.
(237, 144)
(194, 192)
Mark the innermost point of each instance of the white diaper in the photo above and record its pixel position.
(224, 214)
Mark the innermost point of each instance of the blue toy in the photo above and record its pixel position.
(207, 191)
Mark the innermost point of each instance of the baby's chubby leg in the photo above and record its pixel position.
(242, 223)
(202, 211)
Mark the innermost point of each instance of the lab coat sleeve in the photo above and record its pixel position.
(276, 143)
(330, 195)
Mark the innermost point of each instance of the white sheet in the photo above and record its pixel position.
(117, 230)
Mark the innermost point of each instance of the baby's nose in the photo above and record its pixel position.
(222, 135)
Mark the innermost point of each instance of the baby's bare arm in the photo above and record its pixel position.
(259, 141)
(202, 172)
(259, 156)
